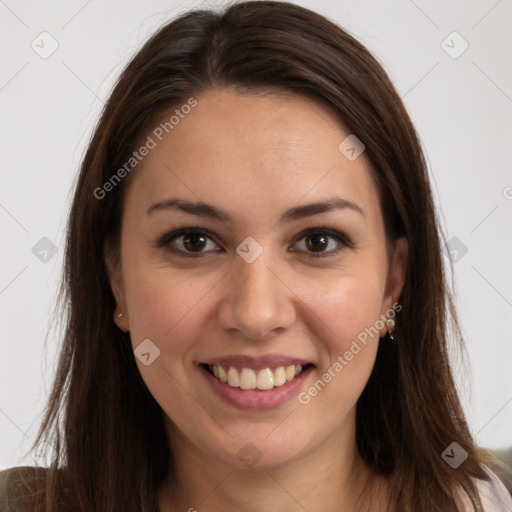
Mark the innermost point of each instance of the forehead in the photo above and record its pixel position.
(250, 151)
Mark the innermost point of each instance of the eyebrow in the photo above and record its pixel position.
(295, 213)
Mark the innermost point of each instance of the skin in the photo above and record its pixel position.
(255, 156)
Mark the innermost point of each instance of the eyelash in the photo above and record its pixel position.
(165, 241)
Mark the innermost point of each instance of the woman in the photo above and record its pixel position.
(257, 309)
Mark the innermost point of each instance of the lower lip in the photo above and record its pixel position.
(257, 399)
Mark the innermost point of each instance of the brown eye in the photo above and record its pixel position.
(188, 242)
(317, 242)
(321, 242)
(194, 242)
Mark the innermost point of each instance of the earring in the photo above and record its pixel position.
(391, 327)
(116, 316)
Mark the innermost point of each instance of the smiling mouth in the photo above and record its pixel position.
(264, 379)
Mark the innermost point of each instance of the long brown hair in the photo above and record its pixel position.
(106, 427)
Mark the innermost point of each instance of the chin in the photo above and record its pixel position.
(259, 449)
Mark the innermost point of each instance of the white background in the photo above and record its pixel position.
(461, 107)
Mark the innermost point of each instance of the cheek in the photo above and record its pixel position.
(347, 305)
(168, 308)
(165, 306)
(348, 317)
(160, 299)
(351, 308)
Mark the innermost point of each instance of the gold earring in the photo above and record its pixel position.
(391, 327)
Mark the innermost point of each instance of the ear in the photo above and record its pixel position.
(396, 274)
(115, 277)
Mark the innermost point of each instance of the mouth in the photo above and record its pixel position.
(261, 379)
(256, 382)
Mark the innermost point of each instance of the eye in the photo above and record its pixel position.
(188, 242)
(195, 242)
(322, 242)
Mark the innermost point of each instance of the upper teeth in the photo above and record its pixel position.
(248, 378)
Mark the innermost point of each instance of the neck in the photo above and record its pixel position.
(329, 478)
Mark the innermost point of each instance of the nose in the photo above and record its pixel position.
(256, 303)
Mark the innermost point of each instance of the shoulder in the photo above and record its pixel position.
(494, 495)
(21, 488)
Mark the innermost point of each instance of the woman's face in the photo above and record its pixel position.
(249, 295)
